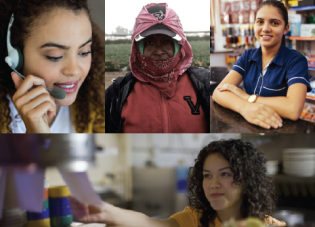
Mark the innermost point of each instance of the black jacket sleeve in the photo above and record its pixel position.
(200, 78)
(108, 92)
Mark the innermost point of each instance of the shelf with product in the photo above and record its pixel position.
(238, 36)
(233, 30)
(239, 46)
(236, 21)
(211, 38)
(302, 37)
(303, 8)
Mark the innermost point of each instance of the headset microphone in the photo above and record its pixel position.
(15, 61)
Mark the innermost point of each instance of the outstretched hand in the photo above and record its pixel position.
(89, 213)
(30, 168)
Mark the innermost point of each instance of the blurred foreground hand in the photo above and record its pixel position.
(254, 222)
(30, 168)
(89, 213)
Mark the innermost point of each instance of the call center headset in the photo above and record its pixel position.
(15, 61)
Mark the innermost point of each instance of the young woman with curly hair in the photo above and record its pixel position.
(62, 48)
(227, 181)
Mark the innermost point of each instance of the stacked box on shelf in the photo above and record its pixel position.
(310, 60)
(306, 3)
(60, 212)
(308, 30)
(311, 94)
(211, 38)
(295, 24)
(308, 113)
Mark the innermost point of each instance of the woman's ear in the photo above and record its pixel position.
(287, 28)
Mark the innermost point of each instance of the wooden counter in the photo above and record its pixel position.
(223, 120)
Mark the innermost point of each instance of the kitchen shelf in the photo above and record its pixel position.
(302, 38)
(295, 179)
(303, 8)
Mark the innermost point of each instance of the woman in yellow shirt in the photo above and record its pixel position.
(227, 181)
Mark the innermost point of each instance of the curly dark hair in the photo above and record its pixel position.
(248, 166)
(27, 15)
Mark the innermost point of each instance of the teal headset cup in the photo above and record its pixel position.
(140, 46)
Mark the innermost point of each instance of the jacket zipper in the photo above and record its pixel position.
(164, 114)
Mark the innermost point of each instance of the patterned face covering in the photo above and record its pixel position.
(163, 74)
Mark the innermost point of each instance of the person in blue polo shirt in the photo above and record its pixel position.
(275, 77)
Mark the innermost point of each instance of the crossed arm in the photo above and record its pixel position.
(266, 111)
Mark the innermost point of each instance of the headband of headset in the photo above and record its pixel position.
(15, 57)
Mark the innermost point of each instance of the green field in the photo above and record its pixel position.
(117, 56)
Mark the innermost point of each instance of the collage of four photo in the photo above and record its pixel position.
(165, 133)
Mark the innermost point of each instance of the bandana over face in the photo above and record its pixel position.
(162, 74)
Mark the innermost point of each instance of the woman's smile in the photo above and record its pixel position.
(68, 87)
(216, 195)
(266, 37)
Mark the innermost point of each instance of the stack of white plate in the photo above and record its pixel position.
(291, 218)
(272, 167)
(299, 161)
(13, 218)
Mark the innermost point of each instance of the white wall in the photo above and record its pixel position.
(217, 60)
(170, 150)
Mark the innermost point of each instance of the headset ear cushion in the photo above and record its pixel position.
(21, 59)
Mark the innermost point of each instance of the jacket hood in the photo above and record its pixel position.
(146, 20)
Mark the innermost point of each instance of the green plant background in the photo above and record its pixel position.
(117, 55)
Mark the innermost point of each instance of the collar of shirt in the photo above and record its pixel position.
(217, 222)
(278, 59)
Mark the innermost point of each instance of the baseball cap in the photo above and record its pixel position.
(159, 12)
